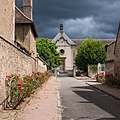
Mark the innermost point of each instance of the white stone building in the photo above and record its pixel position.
(67, 48)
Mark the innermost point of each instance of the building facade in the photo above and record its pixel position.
(112, 65)
(117, 55)
(7, 26)
(109, 64)
(66, 47)
(17, 42)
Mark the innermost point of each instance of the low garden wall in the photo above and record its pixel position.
(14, 61)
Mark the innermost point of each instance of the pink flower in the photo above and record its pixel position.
(43, 75)
(20, 84)
(31, 78)
(21, 88)
(8, 77)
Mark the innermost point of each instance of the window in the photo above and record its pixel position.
(62, 51)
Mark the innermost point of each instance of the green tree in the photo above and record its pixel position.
(48, 52)
(89, 53)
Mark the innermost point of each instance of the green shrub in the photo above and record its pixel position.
(101, 77)
(111, 80)
(93, 68)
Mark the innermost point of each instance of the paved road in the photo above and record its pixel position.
(82, 102)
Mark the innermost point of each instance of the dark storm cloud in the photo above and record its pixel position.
(81, 18)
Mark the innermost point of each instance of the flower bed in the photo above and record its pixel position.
(100, 77)
(18, 88)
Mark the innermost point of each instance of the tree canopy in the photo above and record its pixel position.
(48, 52)
(90, 52)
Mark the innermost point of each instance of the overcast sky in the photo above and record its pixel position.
(81, 18)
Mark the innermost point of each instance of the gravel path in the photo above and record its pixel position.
(44, 104)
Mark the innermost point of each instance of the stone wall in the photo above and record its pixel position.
(110, 51)
(117, 55)
(40, 65)
(14, 61)
(109, 65)
(117, 67)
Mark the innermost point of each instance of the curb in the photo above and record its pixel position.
(59, 108)
(104, 92)
(59, 117)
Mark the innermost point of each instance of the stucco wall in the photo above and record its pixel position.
(7, 18)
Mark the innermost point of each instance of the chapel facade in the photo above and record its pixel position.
(66, 47)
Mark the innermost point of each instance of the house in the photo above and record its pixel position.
(66, 47)
(17, 42)
(117, 55)
(25, 31)
(112, 65)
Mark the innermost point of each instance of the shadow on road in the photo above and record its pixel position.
(101, 100)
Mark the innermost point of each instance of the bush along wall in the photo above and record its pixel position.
(112, 80)
(18, 88)
(100, 77)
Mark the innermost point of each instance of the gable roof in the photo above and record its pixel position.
(21, 18)
(64, 36)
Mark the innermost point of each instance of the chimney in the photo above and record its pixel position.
(27, 8)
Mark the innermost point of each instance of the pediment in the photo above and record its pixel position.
(60, 36)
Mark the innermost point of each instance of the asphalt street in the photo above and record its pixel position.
(80, 101)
